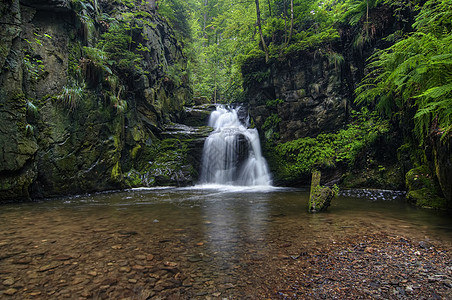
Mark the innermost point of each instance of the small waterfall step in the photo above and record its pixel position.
(232, 153)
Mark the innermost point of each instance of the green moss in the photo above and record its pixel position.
(423, 189)
(134, 151)
(116, 172)
(427, 198)
(320, 197)
(133, 179)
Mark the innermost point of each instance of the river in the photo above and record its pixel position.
(190, 242)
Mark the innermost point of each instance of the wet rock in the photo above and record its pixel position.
(8, 282)
(50, 266)
(10, 292)
(125, 269)
(424, 244)
(22, 261)
(138, 268)
(149, 257)
(62, 257)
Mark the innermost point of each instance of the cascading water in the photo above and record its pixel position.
(232, 153)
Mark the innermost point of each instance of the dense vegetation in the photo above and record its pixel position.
(219, 35)
(416, 70)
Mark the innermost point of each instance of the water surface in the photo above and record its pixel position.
(187, 242)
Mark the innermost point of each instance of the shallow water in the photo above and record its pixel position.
(196, 242)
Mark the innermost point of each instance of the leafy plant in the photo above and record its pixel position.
(300, 156)
(117, 43)
(416, 71)
(72, 94)
(34, 67)
(32, 110)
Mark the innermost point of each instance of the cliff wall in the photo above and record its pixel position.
(76, 115)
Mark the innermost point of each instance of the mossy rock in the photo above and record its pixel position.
(320, 197)
(426, 198)
(423, 190)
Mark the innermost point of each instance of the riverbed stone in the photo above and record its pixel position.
(8, 282)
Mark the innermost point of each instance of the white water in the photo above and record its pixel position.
(232, 153)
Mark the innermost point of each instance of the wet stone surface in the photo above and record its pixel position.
(213, 245)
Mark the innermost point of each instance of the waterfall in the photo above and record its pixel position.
(232, 152)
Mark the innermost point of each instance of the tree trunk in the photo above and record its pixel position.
(287, 41)
(291, 23)
(258, 14)
(270, 8)
(204, 25)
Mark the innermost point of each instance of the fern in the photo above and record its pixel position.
(72, 94)
(416, 70)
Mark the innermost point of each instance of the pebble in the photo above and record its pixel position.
(10, 292)
(8, 281)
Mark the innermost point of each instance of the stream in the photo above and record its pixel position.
(209, 243)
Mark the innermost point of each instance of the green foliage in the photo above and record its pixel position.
(309, 40)
(177, 14)
(95, 65)
(300, 156)
(117, 43)
(29, 129)
(271, 127)
(274, 102)
(32, 110)
(99, 58)
(34, 67)
(72, 94)
(416, 71)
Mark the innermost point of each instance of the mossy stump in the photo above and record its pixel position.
(320, 197)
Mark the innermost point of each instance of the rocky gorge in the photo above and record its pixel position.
(73, 121)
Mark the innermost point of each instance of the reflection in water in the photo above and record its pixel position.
(234, 223)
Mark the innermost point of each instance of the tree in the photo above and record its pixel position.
(291, 27)
(258, 16)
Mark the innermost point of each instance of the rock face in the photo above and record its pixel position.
(309, 90)
(56, 139)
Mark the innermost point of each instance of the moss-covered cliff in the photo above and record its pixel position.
(86, 90)
(303, 104)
